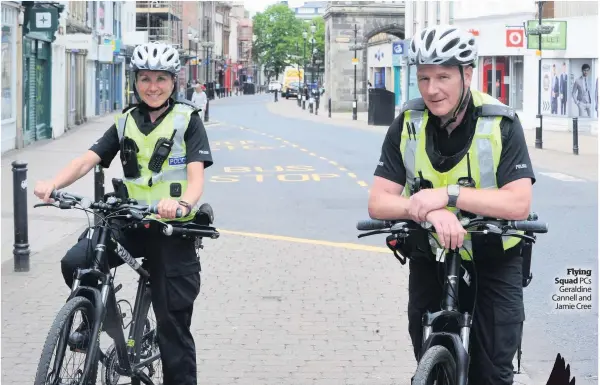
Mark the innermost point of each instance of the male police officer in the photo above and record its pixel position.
(176, 183)
(452, 133)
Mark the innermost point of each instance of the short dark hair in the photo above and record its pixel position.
(585, 67)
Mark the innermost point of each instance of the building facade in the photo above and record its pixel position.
(11, 46)
(507, 56)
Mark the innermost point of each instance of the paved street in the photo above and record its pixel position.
(290, 295)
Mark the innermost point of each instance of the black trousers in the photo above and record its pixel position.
(498, 318)
(174, 282)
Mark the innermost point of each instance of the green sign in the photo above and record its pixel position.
(43, 20)
(555, 40)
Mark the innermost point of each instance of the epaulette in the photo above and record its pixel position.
(496, 110)
(414, 104)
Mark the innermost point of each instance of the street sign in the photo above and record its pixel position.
(355, 60)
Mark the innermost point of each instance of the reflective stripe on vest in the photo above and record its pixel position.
(150, 187)
(484, 156)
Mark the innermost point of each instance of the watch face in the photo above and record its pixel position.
(453, 189)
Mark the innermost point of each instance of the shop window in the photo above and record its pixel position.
(7, 73)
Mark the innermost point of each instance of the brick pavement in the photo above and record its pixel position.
(556, 155)
(270, 312)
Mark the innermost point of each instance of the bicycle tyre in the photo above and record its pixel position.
(66, 312)
(436, 355)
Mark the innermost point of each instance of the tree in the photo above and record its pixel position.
(276, 29)
(319, 40)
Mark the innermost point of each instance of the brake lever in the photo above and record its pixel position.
(374, 233)
(44, 205)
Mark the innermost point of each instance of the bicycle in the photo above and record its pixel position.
(126, 357)
(449, 349)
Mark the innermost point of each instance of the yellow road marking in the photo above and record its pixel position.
(294, 145)
(333, 163)
(322, 157)
(303, 150)
(351, 175)
(341, 245)
(364, 184)
(343, 169)
(312, 154)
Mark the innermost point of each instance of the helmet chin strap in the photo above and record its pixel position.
(462, 102)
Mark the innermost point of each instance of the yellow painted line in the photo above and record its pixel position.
(333, 163)
(343, 169)
(364, 184)
(322, 157)
(278, 138)
(312, 154)
(294, 145)
(351, 175)
(303, 150)
(341, 245)
(286, 142)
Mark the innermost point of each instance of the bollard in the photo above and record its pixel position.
(329, 103)
(575, 136)
(275, 94)
(298, 98)
(21, 245)
(98, 187)
(317, 105)
(206, 111)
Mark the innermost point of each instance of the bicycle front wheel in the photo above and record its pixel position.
(50, 371)
(437, 366)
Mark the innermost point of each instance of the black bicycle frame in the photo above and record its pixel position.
(105, 295)
(453, 342)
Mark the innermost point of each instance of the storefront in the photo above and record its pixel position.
(8, 80)
(508, 69)
(379, 63)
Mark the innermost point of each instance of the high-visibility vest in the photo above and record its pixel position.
(484, 154)
(150, 187)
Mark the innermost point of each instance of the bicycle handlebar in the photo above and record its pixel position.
(65, 201)
(529, 225)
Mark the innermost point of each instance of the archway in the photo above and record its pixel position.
(372, 19)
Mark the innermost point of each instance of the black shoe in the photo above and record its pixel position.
(80, 338)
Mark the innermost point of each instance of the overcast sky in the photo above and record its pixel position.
(260, 5)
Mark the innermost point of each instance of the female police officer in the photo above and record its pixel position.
(431, 144)
(174, 267)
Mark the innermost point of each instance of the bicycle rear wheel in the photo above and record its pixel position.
(437, 366)
(57, 341)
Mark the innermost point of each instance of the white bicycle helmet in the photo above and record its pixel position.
(155, 57)
(443, 45)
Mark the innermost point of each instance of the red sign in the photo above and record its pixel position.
(515, 37)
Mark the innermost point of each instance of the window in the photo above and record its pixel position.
(7, 72)
(451, 12)
(438, 11)
(426, 14)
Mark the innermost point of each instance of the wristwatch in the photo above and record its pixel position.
(187, 206)
(453, 192)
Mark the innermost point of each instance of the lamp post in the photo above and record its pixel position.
(313, 29)
(299, 80)
(304, 37)
(356, 47)
(207, 45)
(539, 30)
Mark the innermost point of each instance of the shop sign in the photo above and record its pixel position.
(555, 40)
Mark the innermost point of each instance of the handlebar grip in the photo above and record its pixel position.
(372, 224)
(532, 226)
(154, 210)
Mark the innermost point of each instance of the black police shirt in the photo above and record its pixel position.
(196, 140)
(446, 150)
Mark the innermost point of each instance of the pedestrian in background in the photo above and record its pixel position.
(199, 97)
